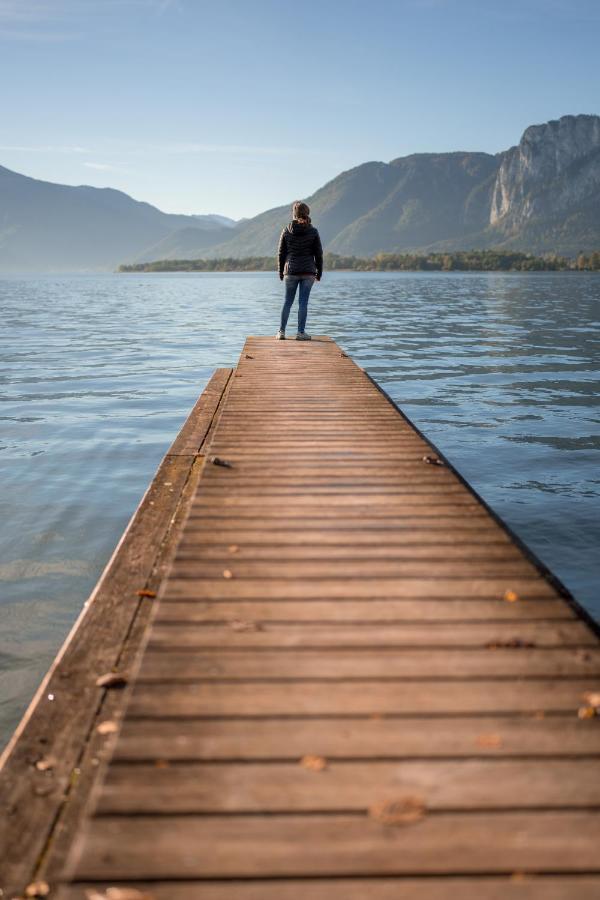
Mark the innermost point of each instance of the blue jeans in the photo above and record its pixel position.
(291, 283)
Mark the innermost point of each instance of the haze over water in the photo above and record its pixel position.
(99, 372)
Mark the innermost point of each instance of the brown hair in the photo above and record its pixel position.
(301, 211)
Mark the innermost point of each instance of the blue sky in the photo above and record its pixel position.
(235, 106)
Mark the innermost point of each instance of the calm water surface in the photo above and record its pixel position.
(99, 372)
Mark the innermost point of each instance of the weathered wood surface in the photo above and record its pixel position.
(38, 808)
(346, 626)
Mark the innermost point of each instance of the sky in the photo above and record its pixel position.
(236, 106)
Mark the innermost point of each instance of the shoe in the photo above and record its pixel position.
(303, 336)
(280, 336)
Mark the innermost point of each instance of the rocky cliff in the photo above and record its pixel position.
(551, 177)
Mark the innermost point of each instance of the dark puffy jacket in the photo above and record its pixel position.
(300, 250)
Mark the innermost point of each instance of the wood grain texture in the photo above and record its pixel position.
(239, 846)
(513, 887)
(349, 786)
(358, 737)
(346, 625)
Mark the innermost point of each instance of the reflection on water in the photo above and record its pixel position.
(98, 373)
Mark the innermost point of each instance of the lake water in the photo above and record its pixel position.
(99, 372)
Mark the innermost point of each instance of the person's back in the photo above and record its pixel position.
(300, 258)
(300, 240)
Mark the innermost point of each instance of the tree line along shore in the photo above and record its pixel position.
(460, 261)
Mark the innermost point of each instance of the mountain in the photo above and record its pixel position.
(55, 227)
(547, 190)
(215, 219)
(543, 195)
(540, 196)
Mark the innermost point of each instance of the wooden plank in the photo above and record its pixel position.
(379, 662)
(59, 723)
(193, 546)
(327, 611)
(305, 635)
(358, 737)
(348, 786)
(404, 535)
(358, 697)
(358, 588)
(233, 846)
(380, 568)
(513, 887)
(362, 508)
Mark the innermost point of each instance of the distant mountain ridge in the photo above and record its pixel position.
(543, 195)
(55, 227)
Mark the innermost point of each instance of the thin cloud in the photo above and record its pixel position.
(103, 167)
(242, 149)
(43, 149)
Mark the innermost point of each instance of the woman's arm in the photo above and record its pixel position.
(282, 253)
(318, 254)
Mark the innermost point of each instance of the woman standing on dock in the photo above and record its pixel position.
(300, 257)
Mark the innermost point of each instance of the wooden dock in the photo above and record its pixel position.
(354, 681)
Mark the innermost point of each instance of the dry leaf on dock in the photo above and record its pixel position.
(244, 625)
(511, 596)
(227, 573)
(146, 593)
(107, 727)
(592, 698)
(489, 740)
(118, 893)
(43, 765)
(37, 889)
(586, 712)
(404, 811)
(111, 680)
(313, 763)
(217, 461)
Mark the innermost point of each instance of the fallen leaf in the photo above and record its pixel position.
(586, 712)
(519, 876)
(227, 573)
(111, 680)
(45, 763)
(162, 763)
(37, 889)
(243, 625)
(117, 893)
(248, 356)
(592, 699)
(233, 548)
(511, 596)
(313, 763)
(433, 461)
(217, 461)
(107, 727)
(489, 740)
(398, 812)
(145, 593)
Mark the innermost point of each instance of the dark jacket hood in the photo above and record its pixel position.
(296, 227)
